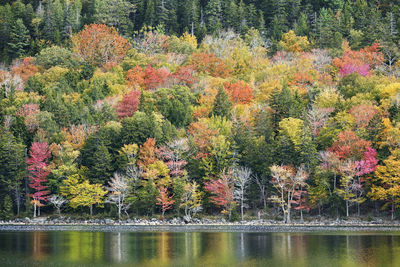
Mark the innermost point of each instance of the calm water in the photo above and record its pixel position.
(63, 248)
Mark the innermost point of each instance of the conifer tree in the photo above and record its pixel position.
(19, 39)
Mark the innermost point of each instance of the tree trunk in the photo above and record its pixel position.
(301, 216)
(91, 210)
(393, 207)
(241, 206)
(358, 209)
(34, 210)
(38, 210)
(347, 208)
(119, 208)
(17, 199)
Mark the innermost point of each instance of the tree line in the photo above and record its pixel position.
(29, 26)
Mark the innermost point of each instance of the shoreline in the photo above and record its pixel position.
(202, 226)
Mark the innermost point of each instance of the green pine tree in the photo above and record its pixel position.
(222, 106)
(19, 39)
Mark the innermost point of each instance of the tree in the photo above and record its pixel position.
(191, 199)
(119, 190)
(12, 166)
(164, 200)
(80, 192)
(222, 190)
(292, 43)
(56, 56)
(386, 183)
(129, 104)
(99, 44)
(58, 202)
(38, 171)
(114, 13)
(287, 182)
(239, 92)
(19, 39)
(222, 106)
(349, 185)
(242, 177)
(173, 154)
(214, 15)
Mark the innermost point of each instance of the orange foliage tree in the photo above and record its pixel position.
(349, 146)
(202, 136)
(359, 61)
(25, 69)
(209, 63)
(239, 92)
(148, 78)
(147, 154)
(363, 114)
(99, 44)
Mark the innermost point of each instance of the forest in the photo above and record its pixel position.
(288, 109)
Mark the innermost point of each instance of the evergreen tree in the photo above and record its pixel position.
(222, 106)
(19, 39)
(213, 13)
(12, 166)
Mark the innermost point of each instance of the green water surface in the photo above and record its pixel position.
(77, 248)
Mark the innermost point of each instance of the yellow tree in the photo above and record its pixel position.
(386, 183)
(81, 193)
(292, 43)
(191, 199)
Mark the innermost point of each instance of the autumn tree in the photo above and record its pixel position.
(239, 92)
(287, 182)
(191, 199)
(386, 183)
(118, 192)
(58, 202)
(292, 43)
(173, 154)
(37, 167)
(99, 44)
(164, 200)
(129, 104)
(210, 64)
(242, 176)
(349, 184)
(80, 192)
(222, 191)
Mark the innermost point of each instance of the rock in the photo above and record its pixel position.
(108, 221)
(187, 218)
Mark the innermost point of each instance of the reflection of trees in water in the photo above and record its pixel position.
(40, 246)
(207, 248)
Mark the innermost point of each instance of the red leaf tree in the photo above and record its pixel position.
(349, 146)
(129, 104)
(368, 164)
(359, 61)
(165, 200)
(222, 192)
(37, 167)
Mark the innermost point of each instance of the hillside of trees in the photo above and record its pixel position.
(109, 110)
(26, 27)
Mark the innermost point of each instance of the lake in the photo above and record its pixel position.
(102, 248)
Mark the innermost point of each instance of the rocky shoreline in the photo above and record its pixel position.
(176, 224)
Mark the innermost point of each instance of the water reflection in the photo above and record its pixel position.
(199, 249)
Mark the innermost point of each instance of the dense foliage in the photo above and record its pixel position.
(26, 27)
(111, 121)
